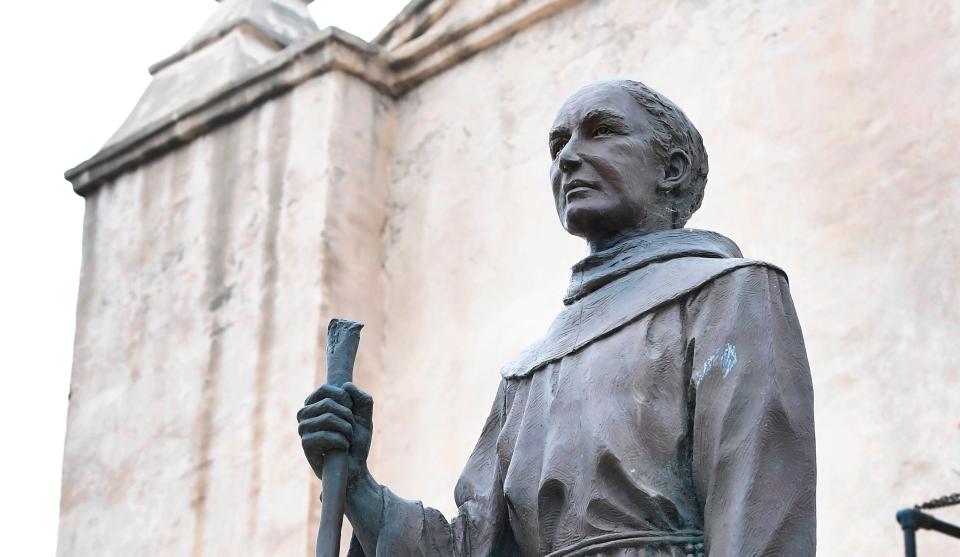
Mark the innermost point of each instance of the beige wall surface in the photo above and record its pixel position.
(832, 129)
(207, 279)
(209, 273)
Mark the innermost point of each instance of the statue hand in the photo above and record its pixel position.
(337, 419)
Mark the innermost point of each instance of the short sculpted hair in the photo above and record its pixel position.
(673, 130)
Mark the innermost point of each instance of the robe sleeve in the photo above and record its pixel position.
(754, 456)
(480, 528)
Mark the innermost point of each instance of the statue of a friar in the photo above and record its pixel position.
(668, 410)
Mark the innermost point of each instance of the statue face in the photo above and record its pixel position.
(605, 173)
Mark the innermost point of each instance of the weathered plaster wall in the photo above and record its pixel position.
(832, 129)
(208, 278)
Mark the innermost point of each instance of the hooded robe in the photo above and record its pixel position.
(668, 411)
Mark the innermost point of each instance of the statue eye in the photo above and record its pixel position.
(556, 146)
(602, 130)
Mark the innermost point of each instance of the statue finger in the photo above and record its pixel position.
(326, 422)
(362, 402)
(329, 391)
(325, 406)
(324, 441)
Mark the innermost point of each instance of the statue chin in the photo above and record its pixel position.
(593, 223)
(585, 219)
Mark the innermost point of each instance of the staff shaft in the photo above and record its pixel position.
(343, 338)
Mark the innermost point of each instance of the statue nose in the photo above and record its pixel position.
(569, 162)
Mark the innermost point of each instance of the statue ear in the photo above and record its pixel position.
(675, 171)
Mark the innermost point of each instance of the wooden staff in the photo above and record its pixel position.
(343, 337)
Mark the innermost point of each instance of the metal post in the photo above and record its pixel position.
(907, 521)
(910, 542)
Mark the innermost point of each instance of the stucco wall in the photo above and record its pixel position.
(208, 278)
(832, 129)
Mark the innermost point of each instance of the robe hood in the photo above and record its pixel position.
(604, 267)
(614, 287)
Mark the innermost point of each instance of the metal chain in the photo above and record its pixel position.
(939, 502)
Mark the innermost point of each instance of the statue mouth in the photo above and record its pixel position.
(574, 187)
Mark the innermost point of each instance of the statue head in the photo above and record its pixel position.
(626, 161)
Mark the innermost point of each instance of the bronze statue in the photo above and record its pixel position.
(668, 410)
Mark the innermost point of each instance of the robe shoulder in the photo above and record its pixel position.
(620, 303)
